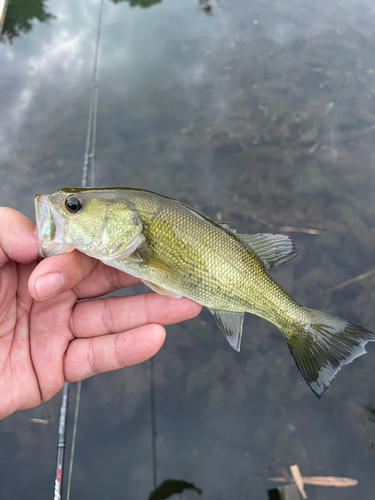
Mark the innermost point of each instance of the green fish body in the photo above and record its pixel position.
(180, 252)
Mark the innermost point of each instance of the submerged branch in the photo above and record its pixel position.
(352, 280)
(338, 482)
(292, 229)
(298, 479)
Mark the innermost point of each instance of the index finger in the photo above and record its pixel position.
(18, 240)
(87, 277)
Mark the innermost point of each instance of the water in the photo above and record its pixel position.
(261, 113)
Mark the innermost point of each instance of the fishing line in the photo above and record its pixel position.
(93, 139)
(75, 425)
(88, 164)
(89, 158)
(153, 424)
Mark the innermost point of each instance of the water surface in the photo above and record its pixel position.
(257, 112)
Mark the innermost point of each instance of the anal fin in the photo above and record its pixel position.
(231, 324)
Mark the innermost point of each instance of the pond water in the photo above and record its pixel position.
(260, 112)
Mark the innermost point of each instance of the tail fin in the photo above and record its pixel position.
(325, 345)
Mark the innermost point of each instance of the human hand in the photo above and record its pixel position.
(47, 338)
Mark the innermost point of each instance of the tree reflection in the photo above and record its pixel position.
(170, 487)
(20, 16)
(142, 3)
(203, 4)
(370, 410)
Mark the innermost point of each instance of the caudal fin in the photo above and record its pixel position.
(324, 346)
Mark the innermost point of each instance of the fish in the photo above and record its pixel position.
(180, 252)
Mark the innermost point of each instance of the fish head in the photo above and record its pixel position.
(94, 222)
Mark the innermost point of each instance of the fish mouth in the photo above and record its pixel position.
(50, 226)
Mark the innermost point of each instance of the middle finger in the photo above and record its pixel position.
(117, 314)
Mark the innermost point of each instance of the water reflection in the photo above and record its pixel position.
(203, 4)
(263, 113)
(141, 3)
(170, 487)
(370, 410)
(289, 492)
(206, 6)
(21, 15)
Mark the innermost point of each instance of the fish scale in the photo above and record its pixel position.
(178, 251)
(234, 275)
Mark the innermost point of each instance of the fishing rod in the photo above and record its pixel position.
(61, 443)
(89, 157)
(88, 164)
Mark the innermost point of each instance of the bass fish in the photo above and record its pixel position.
(180, 252)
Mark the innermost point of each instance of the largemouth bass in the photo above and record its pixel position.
(180, 252)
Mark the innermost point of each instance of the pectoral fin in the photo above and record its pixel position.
(231, 325)
(161, 290)
(151, 261)
(273, 249)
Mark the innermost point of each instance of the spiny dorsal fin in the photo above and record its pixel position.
(273, 249)
(203, 216)
(231, 325)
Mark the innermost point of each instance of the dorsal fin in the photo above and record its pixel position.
(272, 249)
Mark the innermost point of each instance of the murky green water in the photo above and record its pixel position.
(262, 112)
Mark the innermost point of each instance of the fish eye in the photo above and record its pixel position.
(73, 204)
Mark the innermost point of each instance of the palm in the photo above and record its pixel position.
(18, 379)
(45, 343)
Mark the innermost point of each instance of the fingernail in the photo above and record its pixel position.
(47, 285)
